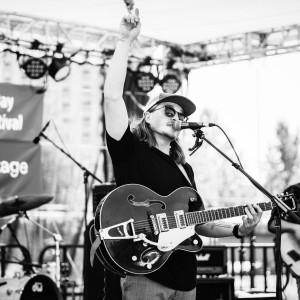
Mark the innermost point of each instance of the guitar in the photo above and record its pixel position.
(290, 252)
(136, 230)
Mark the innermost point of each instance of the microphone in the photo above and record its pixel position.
(179, 125)
(37, 138)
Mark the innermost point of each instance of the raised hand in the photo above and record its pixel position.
(130, 26)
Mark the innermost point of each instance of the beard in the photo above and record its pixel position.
(168, 133)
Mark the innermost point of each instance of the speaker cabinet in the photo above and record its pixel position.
(212, 260)
(215, 289)
(99, 192)
(254, 295)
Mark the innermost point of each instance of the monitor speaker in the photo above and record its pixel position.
(100, 191)
(215, 288)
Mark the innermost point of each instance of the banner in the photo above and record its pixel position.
(21, 111)
(20, 168)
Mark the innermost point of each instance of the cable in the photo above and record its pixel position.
(230, 145)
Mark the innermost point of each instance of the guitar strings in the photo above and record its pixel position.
(200, 217)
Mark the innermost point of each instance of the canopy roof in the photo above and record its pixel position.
(175, 21)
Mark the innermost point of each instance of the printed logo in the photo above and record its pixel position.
(37, 287)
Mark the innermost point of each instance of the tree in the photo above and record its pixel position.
(282, 159)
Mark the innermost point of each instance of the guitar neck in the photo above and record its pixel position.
(204, 216)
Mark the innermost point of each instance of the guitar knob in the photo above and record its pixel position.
(134, 258)
(195, 242)
(149, 266)
(192, 199)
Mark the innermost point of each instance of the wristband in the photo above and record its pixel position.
(235, 232)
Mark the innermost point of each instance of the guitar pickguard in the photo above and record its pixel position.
(168, 241)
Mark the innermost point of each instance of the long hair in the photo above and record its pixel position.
(141, 129)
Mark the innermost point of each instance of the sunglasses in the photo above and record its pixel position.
(171, 112)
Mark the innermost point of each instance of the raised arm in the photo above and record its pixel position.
(116, 116)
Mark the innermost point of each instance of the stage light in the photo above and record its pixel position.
(170, 83)
(34, 68)
(59, 68)
(145, 82)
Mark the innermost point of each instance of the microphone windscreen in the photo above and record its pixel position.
(177, 125)
(36, 140)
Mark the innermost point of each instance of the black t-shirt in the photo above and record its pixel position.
(135, 162)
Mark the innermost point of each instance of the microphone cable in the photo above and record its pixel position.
(230, 145)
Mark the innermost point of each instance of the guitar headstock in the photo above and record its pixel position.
(289, 200)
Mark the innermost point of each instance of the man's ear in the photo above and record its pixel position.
(147, 117)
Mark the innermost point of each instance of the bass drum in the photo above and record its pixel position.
(35, 287)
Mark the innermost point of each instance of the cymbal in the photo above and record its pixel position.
(23, 203)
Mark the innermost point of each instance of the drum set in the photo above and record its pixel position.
(29, 284)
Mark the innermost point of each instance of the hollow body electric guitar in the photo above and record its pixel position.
(136, 230)
(290, 252)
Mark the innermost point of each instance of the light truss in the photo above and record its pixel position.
(245, 46)
(22, 30)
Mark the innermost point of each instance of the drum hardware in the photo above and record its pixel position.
(65, 269)
(57, 239)
(19, 205)
(23, 263)
(27, 258)
(29, 288)
(29, 284)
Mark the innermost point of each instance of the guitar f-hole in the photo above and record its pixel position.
(146, 203)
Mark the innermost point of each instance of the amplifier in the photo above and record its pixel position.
(215, 288)
(99, 192)
(254, 295)
(212, 260)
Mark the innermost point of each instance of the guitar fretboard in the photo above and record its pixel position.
(204, 216)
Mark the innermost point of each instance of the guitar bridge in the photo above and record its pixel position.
(118, 231)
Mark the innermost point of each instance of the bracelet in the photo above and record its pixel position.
(235, 232)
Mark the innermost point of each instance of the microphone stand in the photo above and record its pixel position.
(86, 174)
(276, 201)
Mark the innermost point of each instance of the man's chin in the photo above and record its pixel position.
(172, 136)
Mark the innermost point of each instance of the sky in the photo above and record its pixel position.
(247, 100)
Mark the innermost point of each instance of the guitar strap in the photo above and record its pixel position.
(94, 246)
(183, 171)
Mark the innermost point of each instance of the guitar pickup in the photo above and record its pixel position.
(162, 222)
(180, 219)
(154, 224)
